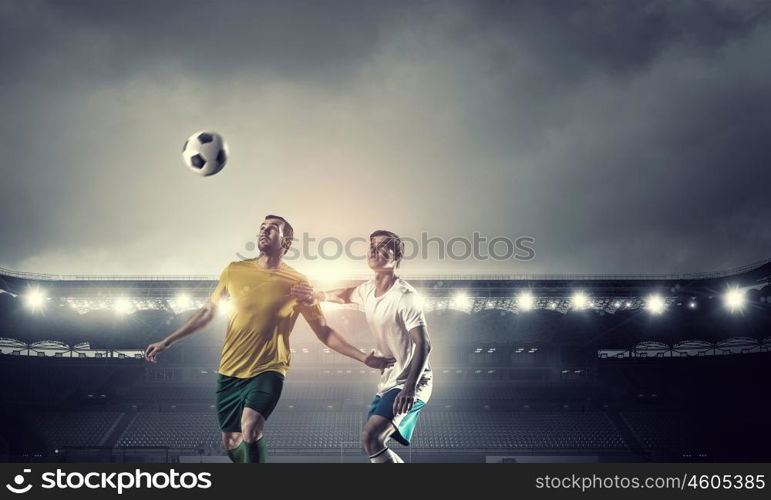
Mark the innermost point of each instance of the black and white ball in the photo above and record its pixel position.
(205, 153)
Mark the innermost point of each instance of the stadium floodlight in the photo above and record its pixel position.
(655, 304)
(183, 301)
(525, 301)
(122, 306)
(617, 304)
(628, 305)
(692, 304)
(224, 307)
(461, 300)
(580, 301)
(734, 299)
(35, 299)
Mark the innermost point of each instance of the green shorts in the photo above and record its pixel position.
(260, 393)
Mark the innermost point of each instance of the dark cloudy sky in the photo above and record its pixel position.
(621, 136)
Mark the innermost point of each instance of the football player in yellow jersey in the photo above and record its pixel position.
(256, 354)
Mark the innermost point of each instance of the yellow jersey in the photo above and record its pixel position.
(262, 315)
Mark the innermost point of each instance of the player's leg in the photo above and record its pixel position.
(229, 409)
(231, 441)
(374, 435)
(383, 424)
(253, 424)
(260, 400)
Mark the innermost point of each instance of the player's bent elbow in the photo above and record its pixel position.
(323, 334)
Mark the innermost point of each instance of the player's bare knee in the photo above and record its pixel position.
(252, 434)
(231, 440)
(252, 429)
(252, 425)
(371, 440)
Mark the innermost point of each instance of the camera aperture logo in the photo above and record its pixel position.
(17, 486)
(116, 481)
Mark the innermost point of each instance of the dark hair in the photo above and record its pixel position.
(393, 239)
(288, 229)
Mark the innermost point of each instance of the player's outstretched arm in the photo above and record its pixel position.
(307, 295)
(406, 398)
(196, 322)
(332, 339)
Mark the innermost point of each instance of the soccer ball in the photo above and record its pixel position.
(205, 153)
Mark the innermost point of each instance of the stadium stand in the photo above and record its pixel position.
(62, 429)
(613, 381)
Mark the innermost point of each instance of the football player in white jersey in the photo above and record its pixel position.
(395, 316)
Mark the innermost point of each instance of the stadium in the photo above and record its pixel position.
(569, 368)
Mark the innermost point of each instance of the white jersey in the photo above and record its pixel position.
(391, 317)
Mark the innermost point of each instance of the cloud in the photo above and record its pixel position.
(624, 138)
